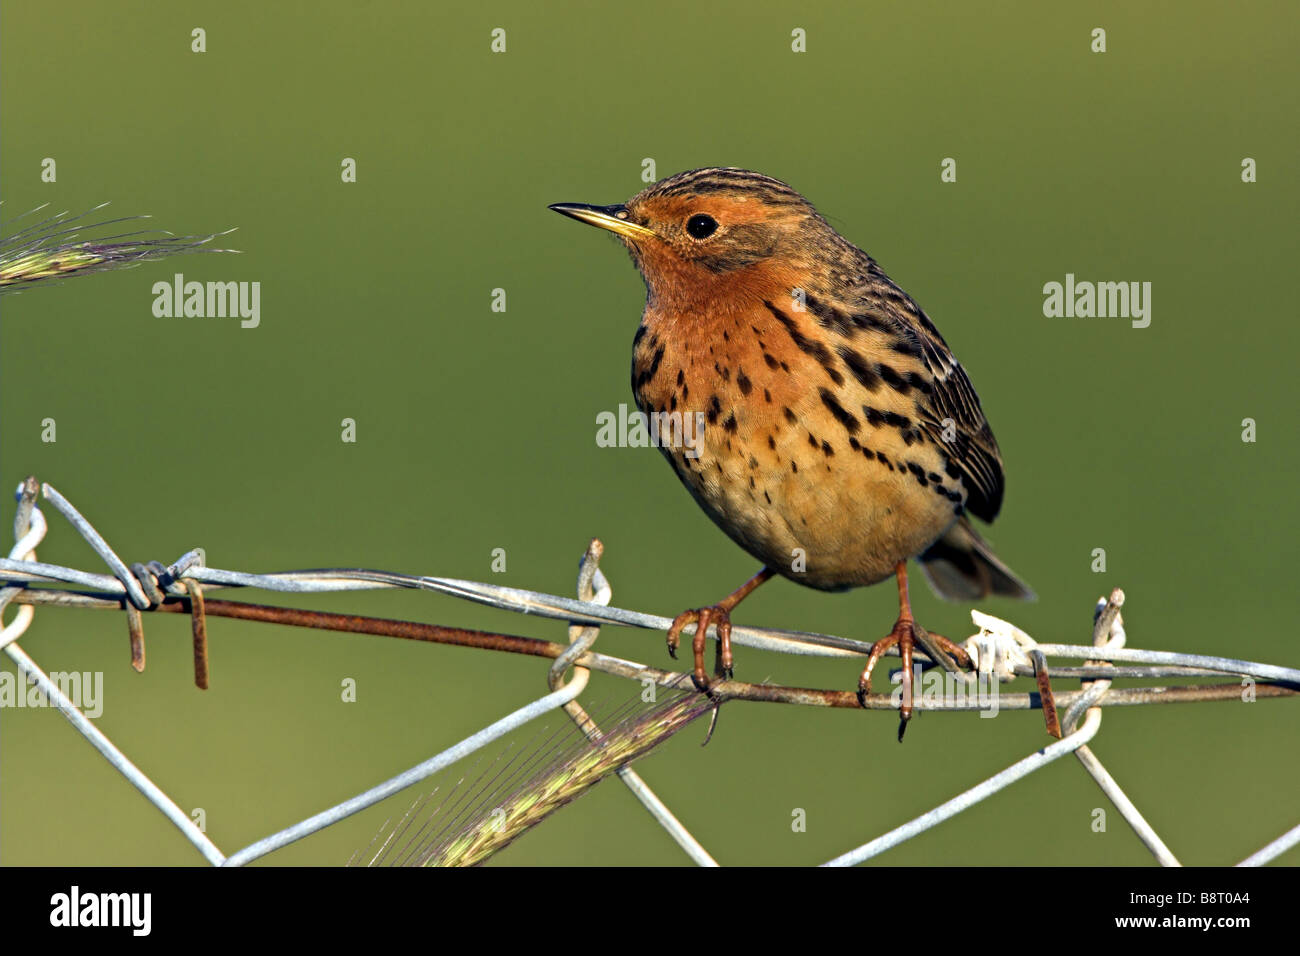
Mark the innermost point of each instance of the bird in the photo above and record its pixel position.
(840, 436)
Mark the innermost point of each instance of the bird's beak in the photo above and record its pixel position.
(613, 218)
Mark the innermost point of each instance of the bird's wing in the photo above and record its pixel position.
(955, 417)
(949, 410)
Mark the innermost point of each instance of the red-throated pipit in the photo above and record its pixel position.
(841, 438)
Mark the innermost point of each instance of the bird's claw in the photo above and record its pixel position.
(904, 635)
(720, 617)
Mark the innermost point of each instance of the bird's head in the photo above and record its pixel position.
(713, 229)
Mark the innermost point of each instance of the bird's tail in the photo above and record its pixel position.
(961, 566)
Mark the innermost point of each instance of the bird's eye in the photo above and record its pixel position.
(701, 226)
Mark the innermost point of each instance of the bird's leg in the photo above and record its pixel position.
(720, 616)
(904, 635)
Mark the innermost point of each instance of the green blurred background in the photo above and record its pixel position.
(476, 430)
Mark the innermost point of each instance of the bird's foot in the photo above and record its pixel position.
(905, 635)
(720, 617)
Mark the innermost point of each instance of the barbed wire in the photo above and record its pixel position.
(1001, 652)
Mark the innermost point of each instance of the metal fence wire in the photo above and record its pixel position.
(1000, 652)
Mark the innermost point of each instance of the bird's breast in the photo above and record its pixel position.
(760, 414)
